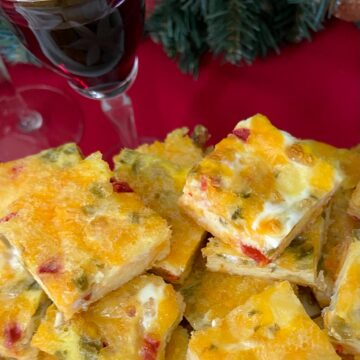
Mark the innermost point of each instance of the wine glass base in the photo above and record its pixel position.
(62, 123)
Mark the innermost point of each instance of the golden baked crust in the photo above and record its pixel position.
(134, 322)
(298, 263)
(81, 237)
(270, 325)
(212, 295)
(259, 188)
(157, 173)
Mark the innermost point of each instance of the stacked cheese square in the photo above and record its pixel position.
(73, 235)
(278, 210)
(247, 241)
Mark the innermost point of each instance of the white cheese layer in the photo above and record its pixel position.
(150, 297)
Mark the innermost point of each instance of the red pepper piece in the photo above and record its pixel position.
(16, 170)
(203, 183)
(171, 277)
(242, 133)
(339, 349)
(131, 311)
(150, 348)
(51, 266)
(121, 186)
(255, 254)
(87, 297)
(8, 217)
(12, 334)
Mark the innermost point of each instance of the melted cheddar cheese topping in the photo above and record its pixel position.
(133, 322)
(177, 147)
(80, 238)
(157, 173)
(21, 176)
(270, 325)
(212, 295)
(258, 186)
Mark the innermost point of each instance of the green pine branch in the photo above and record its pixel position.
(180, 27)
(238, 30)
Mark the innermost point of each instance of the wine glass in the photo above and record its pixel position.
(92, 43)
(23, 130)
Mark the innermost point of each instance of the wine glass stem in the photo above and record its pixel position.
(119, 110)
(28, 120)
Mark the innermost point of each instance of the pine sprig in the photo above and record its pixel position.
(183, 33)
(238, 30)
(309, 18)
(225, 36)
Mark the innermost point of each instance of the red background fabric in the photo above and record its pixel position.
(311, 89)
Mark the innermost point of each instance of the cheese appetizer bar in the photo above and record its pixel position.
(270, 325)
(21, 176)
(338, 240)
(212, 295)
(298, 263)
(341, 225)
(348, 160)
(159, 183)
(354, 204)
(177, 347)
(342, 317)
(22, 304)
(258, 189)
(134, 322)
(81, 236)
(178, 147)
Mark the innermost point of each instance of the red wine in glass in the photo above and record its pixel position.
(90, 42)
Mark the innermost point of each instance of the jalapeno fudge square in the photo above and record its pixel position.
(157, 173)
(258, 189)
(270, 325)
(134, 322)
(80, 237)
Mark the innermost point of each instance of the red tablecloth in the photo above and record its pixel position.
(311, 90)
